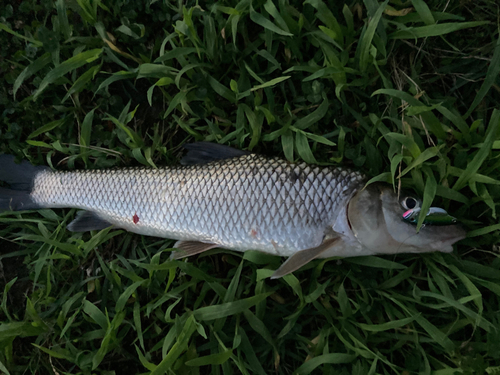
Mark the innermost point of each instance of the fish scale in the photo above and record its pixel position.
(241, 203)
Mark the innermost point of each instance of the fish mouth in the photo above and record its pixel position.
(458, 233)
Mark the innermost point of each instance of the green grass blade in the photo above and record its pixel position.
(423, 11)
(258, 326)
(314, 117)
(31, 40)
(123, 299)
(479, 158)
(303, 148)
(366, 40)
(118, 76)
(31, 69)
(483, 231)
(93, 311)
(85, 132)
(259, 19)
(3, 305)
(373, 261)
(431, 122)
(150, 366)
(270, 83)
(343, 300)
(3, 369)
(212, 359)
(458, 121)
(487, 326)
(255, 120)
(63, 19)
(446, 192)
(175, 54)
(106, 343)
(334, 358)
(319, 139)
(434, 30)
(165, 81)
(180, 346)
(436, 334)
(132, 135)
(19, 329)
(429, 194)
(408, 142)
(222, 90)
(229, 308)
(66, 307)
(287, 145)
(273, 11)
(155, 71)
(47, 127)
(326, 16)
(67, 66)
(489, 80)
(247, 349)
(82, 81)
(325, 72)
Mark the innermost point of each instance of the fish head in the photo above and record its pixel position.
(375, 216)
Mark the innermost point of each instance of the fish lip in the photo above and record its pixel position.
(457, 238)
(459, 234)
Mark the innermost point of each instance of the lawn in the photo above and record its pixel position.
(406, 92)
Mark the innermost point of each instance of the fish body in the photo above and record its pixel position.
(246, 202)
(236, 200)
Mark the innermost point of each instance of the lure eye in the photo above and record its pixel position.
(409, 203)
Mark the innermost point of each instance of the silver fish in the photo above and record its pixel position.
(232, 199)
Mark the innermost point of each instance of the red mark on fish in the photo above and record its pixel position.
(135, 218)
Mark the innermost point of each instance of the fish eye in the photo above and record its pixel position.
(409, 203)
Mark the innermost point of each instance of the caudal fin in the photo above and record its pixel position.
(20, 179)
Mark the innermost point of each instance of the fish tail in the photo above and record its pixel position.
(19, 178)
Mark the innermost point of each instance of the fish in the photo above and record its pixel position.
(221, 197)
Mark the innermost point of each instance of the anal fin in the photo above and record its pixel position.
(303, 257)
(188, 248)
(86, 221)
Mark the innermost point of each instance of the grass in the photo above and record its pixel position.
(404, 92)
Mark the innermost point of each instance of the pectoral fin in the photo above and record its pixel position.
(302, 257)
(188, 248)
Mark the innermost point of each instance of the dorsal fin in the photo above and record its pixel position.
(206, 152)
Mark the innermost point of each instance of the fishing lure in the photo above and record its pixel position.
(435, 216)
